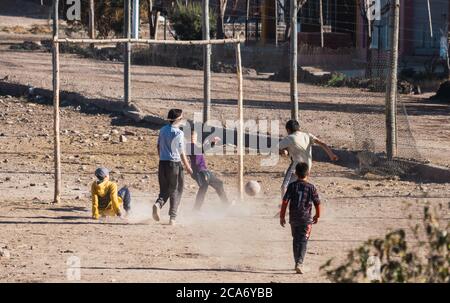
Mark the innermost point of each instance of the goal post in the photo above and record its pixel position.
(56, 89)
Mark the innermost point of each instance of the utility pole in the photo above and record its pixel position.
(91, 19)
(258, 17)
(135, 20)
(276, 22)
(56, 126)
(429, 18)
(247, 5)
(127, 67)
(391, 87)
(206, 63)
(322, 42)
(293, 60)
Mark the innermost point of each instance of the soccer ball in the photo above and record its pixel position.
(252, 188)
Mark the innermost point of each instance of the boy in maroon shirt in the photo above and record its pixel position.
(300, 196)
(201, 174)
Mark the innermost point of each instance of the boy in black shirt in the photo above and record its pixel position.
(300, 196)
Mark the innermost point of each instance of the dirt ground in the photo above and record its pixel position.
(242, 244)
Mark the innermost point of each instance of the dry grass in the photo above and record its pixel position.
(34, 29)
(40, 29)
(15, 29)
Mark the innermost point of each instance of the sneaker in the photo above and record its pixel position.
(172, 222)
(126, 214)
(156, 212)
(299, 268)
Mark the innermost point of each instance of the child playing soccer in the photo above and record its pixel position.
(172, 157)
(298, 145)
(300, 196)
(201, 174)
(106, 200)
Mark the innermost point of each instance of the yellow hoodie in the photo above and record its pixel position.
(105, 200)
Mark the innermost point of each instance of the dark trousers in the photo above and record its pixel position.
(300, 235)
(171, 183)
(205, 179)
(124, 193)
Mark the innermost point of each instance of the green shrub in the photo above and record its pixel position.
(398, 261)
(187, 21)
(337, 80)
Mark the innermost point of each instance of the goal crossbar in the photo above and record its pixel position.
(150, 41)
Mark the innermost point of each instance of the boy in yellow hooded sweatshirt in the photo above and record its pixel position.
(106, 200)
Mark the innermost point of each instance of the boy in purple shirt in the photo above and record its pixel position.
(201, 174)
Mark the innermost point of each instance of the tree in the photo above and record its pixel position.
(153, 13)
(222, 6)
(363, 7)
(187, 21)
(286, 8)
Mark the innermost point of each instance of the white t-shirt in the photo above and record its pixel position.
(299, 146)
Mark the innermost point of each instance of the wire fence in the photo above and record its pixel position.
(370, 128)
(341, 95)
(346, 112)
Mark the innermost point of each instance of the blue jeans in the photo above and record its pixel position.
(300, 235)
(124, 193)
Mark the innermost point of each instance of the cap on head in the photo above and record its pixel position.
(101, 173)
(174, 114)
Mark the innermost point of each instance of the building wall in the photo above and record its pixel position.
(406, 23)
(422, 42)
(415, 37)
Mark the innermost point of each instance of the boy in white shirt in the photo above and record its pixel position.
(298, 145)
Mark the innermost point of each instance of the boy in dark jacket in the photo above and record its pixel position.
(300, 196)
